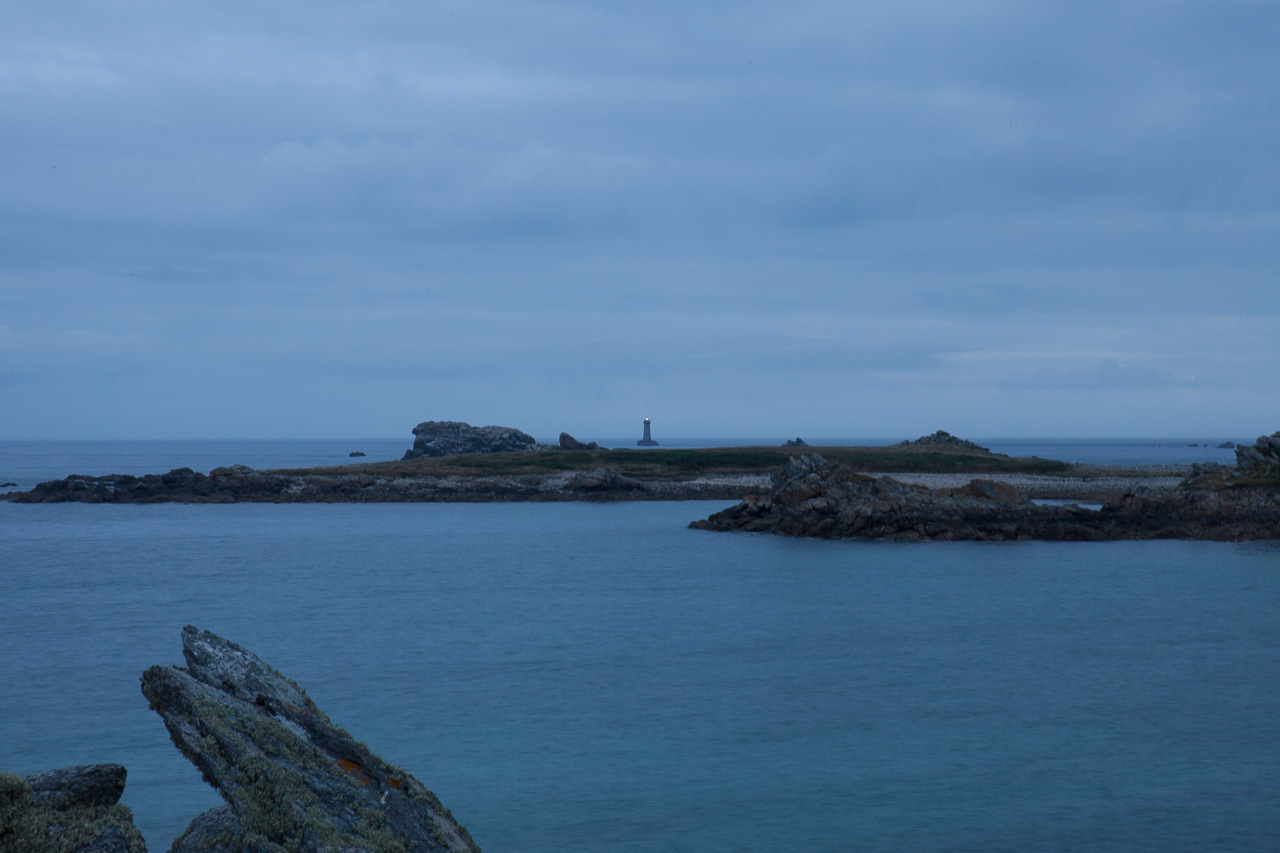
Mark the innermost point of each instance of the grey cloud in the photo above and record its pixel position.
(418, 195)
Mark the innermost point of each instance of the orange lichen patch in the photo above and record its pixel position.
(394, 782)
(353, 769)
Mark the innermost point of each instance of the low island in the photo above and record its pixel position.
(935, 487)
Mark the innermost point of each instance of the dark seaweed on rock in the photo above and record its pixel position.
(292, 780)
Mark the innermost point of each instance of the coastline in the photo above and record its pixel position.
(243, 485)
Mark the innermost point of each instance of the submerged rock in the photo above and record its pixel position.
(449, 438)
(292, 780)
(72, 810)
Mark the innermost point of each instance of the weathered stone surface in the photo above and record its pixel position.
(72, 810)
(603, 480)
(292, 780)
(449, 438)
(814, 497)
(945, 441)
(1262, 454)
(568, 442)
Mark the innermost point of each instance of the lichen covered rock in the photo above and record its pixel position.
(72, 810)
(292, 780)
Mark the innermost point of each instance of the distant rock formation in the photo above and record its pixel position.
(568, 442)
(356, 453)
(1262, 455)
(72, 809)
(795, 442)
(603, 480)
(945, 442)
(1227, 445)
(818, 498)
(449, 438)
(292, 780)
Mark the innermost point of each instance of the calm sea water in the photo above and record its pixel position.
(597, 677)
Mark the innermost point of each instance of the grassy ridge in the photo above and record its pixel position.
(683, 463)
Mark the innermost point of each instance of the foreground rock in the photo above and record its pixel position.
(814, 497)
(72, 810)
(292, 780)
(450, 438)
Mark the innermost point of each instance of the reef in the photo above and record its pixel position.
(817, 498)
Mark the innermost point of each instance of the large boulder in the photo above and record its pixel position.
(1262, 455)
(449, 438)
(568, 442)
(72, 810)
(293, 781)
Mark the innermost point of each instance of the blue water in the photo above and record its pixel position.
(597, 677)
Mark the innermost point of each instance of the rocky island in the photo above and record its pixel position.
(938, 486)
(292, 780)
(812, 496)
(453, 461)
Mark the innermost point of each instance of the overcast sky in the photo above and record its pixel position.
(835, 219)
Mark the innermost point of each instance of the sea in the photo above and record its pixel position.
(599, 677)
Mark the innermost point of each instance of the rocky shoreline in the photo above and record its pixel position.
(813, 497)
(292, 780)
(239, 484)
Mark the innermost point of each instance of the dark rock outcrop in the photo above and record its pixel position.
(1262, 455)
(568, 442)
(814, 497)
(1226, 445)
(353, 454)
(221, 485)
(72, 810)
(292, 780)
(945, 442)
(603, 480)
(449, 438)
(795, 442)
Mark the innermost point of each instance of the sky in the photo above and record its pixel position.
(309, 220)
